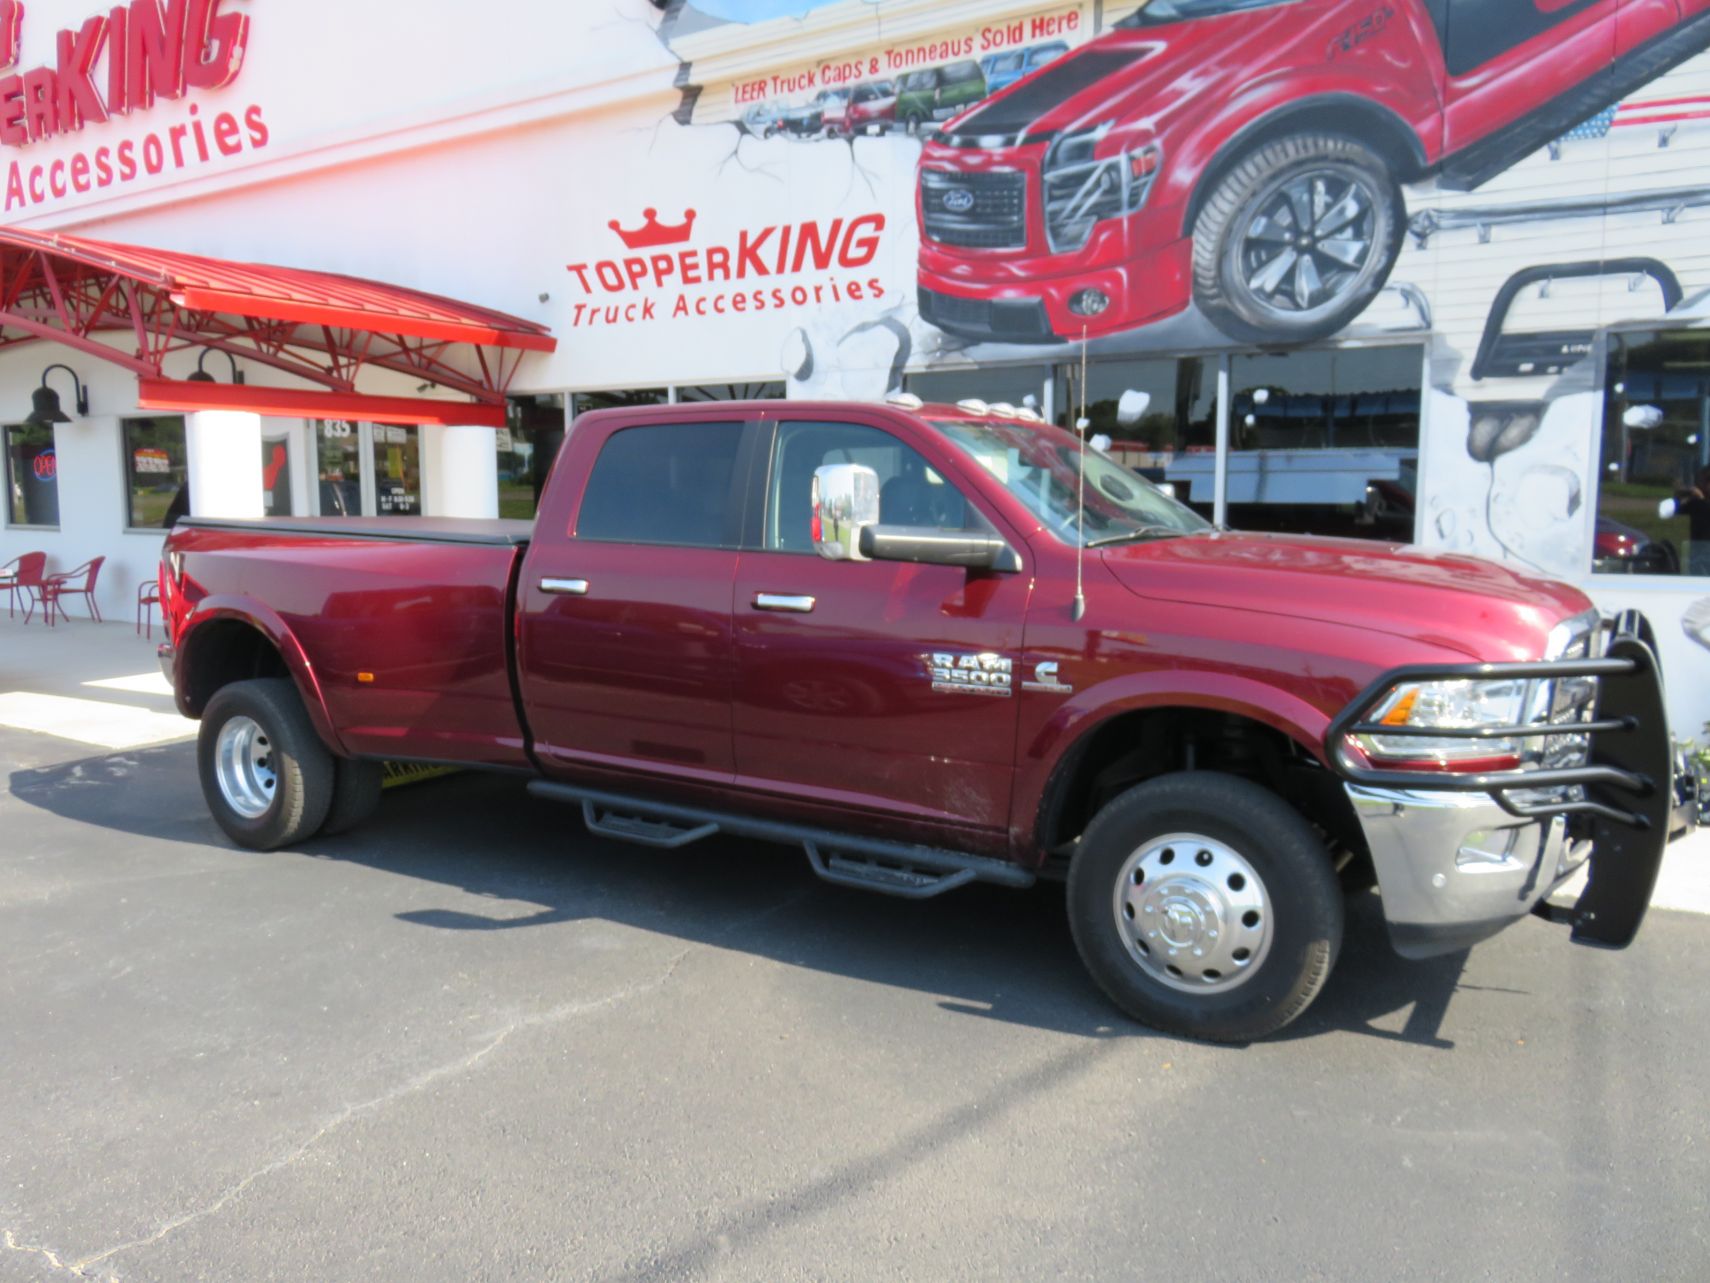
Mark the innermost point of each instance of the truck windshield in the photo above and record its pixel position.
(1157, 12)
(1037, 464)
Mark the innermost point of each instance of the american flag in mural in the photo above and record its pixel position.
(1643, 111)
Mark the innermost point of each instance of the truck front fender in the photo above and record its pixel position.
(208, 632)
(1049, 759)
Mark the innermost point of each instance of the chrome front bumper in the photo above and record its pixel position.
(1456, 868)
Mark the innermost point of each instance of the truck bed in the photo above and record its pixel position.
(402, 622)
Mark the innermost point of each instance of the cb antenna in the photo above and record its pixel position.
(1082, 423)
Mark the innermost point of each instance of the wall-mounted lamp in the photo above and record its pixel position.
(202, 376)
(46, 409)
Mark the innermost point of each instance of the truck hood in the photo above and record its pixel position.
(1483, 610)
(1131, 76)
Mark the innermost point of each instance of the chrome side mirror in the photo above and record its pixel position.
(845, 501)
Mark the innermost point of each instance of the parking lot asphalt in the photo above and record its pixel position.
(468, 1041)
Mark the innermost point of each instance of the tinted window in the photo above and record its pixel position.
(666, 483)
(1475, 31)
(911, 493)
(1006, 62)
(957, 72)
(918, 80)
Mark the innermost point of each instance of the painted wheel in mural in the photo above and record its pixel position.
(1296, 239)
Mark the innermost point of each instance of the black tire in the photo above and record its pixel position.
(1229, 268)
(1295, 939)
(299, 764)
(355, 794)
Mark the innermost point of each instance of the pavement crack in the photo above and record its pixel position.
(421, 1081)
(46, 1253)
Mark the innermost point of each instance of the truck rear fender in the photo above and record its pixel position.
(1129, 729)
(232, 640)
(1349, 115)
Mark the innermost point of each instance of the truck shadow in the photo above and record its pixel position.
(982, 951)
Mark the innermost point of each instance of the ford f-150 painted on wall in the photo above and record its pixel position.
(1248, 155)
(891, 634)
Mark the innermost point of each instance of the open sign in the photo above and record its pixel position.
(46, 466)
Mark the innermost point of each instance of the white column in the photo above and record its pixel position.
(224, 455)
(460, 472)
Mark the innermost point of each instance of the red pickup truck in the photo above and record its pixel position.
(895, 635)
(1247, 155)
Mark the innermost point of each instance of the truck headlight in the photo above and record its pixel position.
(1454, 706)
(1081, 189)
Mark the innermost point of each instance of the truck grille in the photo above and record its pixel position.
(974, 211)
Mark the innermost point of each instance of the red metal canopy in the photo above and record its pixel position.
(319, 326)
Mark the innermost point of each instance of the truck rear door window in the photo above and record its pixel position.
(664, 483)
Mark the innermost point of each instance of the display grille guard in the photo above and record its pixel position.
(1612, 717)
(1626, 779)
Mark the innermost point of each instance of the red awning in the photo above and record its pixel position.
(320, 326)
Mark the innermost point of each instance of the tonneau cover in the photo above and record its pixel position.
(504, 533)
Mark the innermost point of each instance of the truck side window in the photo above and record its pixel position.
(665, 483)
(911, 493)
(1475, 31)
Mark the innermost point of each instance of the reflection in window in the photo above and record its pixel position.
(1152, 411)
(276, 476)
(1321, 442)
(773, 391)
(32, 476)
(616, 399)
(157, 474)
(1653, 497)
(1017, 385)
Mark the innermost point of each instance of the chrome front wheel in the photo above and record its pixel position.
(1193, 913)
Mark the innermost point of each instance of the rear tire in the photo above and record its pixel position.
(355, 795)
(266, 776)
(1205, 906)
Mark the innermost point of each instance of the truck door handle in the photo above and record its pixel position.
(783, 601)
(571, 587)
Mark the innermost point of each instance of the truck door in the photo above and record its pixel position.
(625, 653)
(837, 702)
(1505, 59)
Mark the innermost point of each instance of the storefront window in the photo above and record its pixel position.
(1653, 497)
(1156, 414)
(338, 467)
(773, 391)
(527, 445)
(397, 471)
(32, 476)
(618, 398)
(1013, 384)
(1325, 442)
(157, 475)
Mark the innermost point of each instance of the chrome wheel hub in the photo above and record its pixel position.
(1193, 913)
(243, 765)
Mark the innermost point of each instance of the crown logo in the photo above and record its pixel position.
(652, 232)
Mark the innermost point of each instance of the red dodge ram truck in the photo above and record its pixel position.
(898, 636)
(1247, 155)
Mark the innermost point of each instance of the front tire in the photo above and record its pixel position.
(1205, 906)
(1296, 239)
(266, 776)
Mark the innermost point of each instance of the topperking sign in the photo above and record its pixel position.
(122, 62)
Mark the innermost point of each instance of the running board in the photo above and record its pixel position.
(890, 868)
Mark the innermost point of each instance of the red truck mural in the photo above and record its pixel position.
(1248, 156)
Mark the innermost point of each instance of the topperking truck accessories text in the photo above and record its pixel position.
(857, 629)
